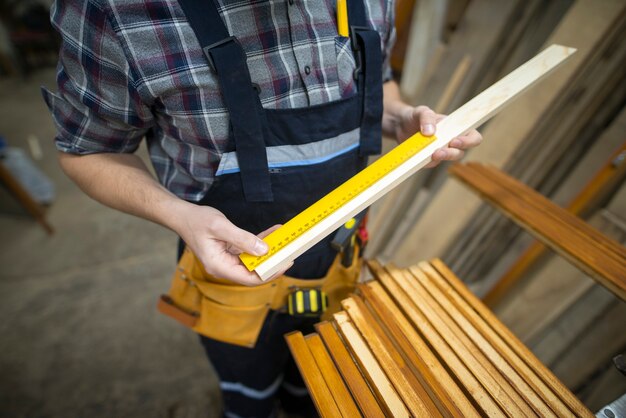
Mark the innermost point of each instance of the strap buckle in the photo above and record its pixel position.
(207, 50)
(357, 49)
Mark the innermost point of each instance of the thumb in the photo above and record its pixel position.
(245, 241)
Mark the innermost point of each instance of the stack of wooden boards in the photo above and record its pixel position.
(416, 342)
(555, 140)
(593, 252)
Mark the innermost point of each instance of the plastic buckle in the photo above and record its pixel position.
(207, 50)
(357, 49)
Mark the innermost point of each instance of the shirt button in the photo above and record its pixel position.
(307, 70)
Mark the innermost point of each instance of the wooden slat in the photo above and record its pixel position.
(408, 387)
(456, 367)
(345, 363)
(558, 214)
(527, 394)
(331, 375)
(312, 375)
(603, 264)
(384, 390)
(517, 346)
(495, 383)
(433, 374)
(470, 115)
(443, 292)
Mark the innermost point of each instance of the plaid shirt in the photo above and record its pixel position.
(133, 69)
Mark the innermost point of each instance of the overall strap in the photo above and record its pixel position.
(366, 46)
(227, 58)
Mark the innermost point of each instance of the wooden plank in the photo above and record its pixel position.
(478, 33)
(596, 190)
(485, 371)
(331, 375)
(442, 291)
(397, 370)
(345, 363)
(424, 36)
(446, 353)
(433, 374)
(556, 213)
(384, 390)
(459, 74)
(543, 297)
(559, 232)
(312, 375)
(468, 116)
(585, 26)
(516, 345)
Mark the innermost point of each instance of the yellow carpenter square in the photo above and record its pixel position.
(338, 197)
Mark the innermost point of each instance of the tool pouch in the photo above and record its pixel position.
(233, 313)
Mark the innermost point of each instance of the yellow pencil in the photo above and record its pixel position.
(342, 18)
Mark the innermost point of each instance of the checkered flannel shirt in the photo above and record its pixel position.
(133, 69)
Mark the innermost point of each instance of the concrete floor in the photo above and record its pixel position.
(80, 335)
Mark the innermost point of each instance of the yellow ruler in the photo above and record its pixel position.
(338, 197)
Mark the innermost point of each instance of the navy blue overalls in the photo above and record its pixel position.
(257, 186)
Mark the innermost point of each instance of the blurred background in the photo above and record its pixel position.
(79, 282)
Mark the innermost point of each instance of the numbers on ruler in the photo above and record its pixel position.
(340, 198)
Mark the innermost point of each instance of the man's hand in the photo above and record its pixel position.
(217, 243)
(402, 121)
(123, 182)
(424, 120)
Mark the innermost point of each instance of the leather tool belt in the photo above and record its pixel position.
(233, 313)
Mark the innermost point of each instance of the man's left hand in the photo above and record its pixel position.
(424, 120)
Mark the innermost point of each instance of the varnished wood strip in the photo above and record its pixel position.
(516, 345)
(429, 369)
(499, 388)
(352, 376)
(594, 261)
(408, 387)
(384, 390)
(447, 355)
(331, 375)
(556, 212)
(312, 376)
(551, 399)
(603, 182)
(508, 371)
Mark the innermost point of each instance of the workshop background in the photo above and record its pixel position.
(79, 282)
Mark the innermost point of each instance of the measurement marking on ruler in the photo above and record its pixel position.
(338, 197)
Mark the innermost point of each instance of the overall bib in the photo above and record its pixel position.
(278, 163)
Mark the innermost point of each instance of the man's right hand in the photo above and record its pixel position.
(217, 242)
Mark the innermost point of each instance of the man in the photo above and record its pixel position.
(252, 110)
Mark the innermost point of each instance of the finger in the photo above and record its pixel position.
(427, 119)
(237, 238)
(269, 231)
(465, 142)
(237, 273)
(448, 154)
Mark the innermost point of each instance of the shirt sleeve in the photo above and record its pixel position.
(97, 107)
